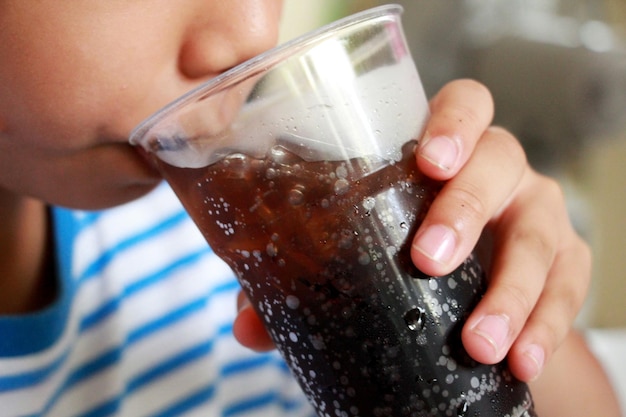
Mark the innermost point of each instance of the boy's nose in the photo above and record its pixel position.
(225, 33)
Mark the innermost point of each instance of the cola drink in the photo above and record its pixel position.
(321, 248)
(298, 167)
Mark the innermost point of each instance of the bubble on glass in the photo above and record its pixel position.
(369, 203)
(317, 342)
(271, 249)
(463, 409)
(415, 319)
(292, 302)
(296, 196)
(345, 239)
(341, 186)
(271, 173)
(452, 284)
(341, 171)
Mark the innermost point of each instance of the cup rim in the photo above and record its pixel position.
(259, 62)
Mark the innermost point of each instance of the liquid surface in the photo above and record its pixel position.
(322, 250)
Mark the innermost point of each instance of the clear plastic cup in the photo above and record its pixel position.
(298, 167)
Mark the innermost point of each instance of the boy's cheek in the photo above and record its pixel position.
(96, 76)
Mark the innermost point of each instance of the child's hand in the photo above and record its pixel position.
(540, 267)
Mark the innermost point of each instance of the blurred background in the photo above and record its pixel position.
(557, 70)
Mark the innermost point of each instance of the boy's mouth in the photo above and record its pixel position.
(146, 161)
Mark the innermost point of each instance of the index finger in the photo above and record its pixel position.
(467, 202)
(461, 112)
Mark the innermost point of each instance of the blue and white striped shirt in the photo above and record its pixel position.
(141, 327)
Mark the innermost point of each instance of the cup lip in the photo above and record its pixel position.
(258, 62)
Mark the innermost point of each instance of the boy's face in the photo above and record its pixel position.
(76, 77)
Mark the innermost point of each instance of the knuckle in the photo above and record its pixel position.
(550, 191)
(478, 89)
(540, 245)
(468, 112)
(571, 289)
(553, 331)
(461, 115)
(508, 146)
(519, 303)
(571, 299)
(553, 188)
(584, 258)
(469, 201)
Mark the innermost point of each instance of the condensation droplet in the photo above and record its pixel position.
(341, 171)
(415, 319)
(292, 302)
(463, 409)
(364, 258)
(271, 250)
(452, 283)
(369, 203)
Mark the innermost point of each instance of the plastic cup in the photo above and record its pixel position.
(298, 167)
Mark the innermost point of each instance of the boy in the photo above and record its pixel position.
(122, 311)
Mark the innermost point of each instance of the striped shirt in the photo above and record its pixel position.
(142, 326)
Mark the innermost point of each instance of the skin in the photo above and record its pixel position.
(76, 77)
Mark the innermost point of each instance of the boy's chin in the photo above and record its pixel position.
(105, 198)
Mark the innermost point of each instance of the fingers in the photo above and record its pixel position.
(540, 268)
(248, 328)
(538, 281)
(575, 383)
(461, 112)
(556, 309)
(467, 202)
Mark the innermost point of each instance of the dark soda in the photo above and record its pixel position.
(322, 250)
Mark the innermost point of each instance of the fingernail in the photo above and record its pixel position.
(441, 151)
(437, 242)
(537, 357)
(495, 330)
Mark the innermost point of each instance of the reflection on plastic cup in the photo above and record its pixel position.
(298, 167)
